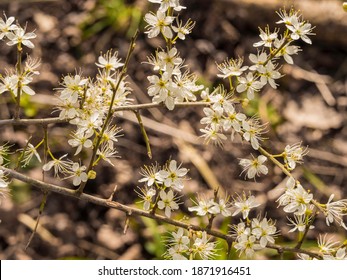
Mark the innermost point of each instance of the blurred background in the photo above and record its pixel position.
(309, 106)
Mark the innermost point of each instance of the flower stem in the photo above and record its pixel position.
(144, 134)
(110, 110)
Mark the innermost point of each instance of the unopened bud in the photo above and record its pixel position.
(91, 174)
(245, 103)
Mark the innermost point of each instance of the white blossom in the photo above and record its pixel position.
(204, 247)
(81, 139)
(267, 38)
(264, 231)
(335, 211)
(232, 67)
(166, 4)
(18, 36)
(27, 154)
(7, 26)
(158, 23)
(301, 30)
(244, 205)
(249, 84)
(300, 222)
(59, 165)
(183, 30)
(254, 167)
(327, 245)
(339, 255)
(295, 199)
(258, 61)
(252, 132)
(221, 207)
(78, 174)
(173, 175)
(294, 154)
(146, 194)
(286, 50)
(269, 74)
(203, 207)
(150, 175)
(213, 134)
(167, 202)
(247, 244)
(109, 61)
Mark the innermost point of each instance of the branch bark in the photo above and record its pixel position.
(131, 211)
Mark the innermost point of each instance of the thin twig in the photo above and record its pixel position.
(110, 111)
(42, 206)
(144, 133)
(134, 107)
(307, 228)
(137, 212)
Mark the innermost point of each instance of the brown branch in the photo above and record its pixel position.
(135, 107)
(137, 212)
(43, 121)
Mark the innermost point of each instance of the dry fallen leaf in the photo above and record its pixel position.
(312, 113)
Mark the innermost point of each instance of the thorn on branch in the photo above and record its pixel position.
(144, 133)
(229, 241)
(42, 206)
(127, 221)
(113, 193)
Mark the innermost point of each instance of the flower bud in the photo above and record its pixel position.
(91, 174)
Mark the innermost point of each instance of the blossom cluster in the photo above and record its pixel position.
(90, 105)
(214, 206)
(297, 200)
(223, 116)
(300, 202)
(253, 235)
(16, 81)
(190, 245)
(161, 186)
(85, 102)
(172, 82)
(249, 234)
(245, 81)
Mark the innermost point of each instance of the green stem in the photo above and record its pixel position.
(273, 54)
(275, 161)
(45, 192)
(144, 134)
(307, 228)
